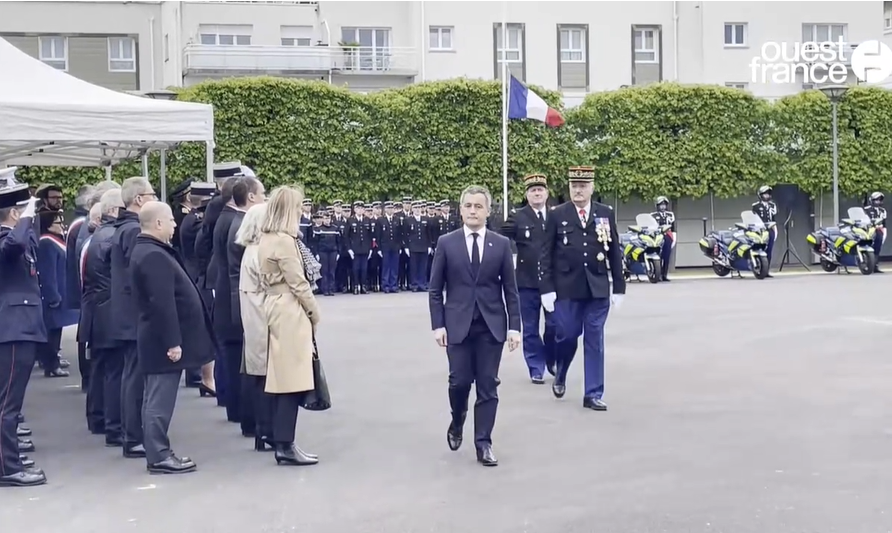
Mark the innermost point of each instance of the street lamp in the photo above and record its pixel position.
(835, 94)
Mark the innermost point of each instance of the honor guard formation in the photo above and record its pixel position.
(219, 287)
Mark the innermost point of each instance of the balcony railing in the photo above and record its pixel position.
(846, 49)
(308, 59)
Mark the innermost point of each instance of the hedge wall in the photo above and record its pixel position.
(431, 139)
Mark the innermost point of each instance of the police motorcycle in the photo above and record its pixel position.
(641, 248)
(739, 250)
(847, 245)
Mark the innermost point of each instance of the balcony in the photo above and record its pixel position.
(297, 60)
(846, 49)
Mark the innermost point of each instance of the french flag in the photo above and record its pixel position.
(524, 103)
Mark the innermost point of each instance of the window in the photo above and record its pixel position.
(737, 85)
(820, 33)
(887, 20)
(54, 51)
(121, 54)
(573, 45)
(646, 46)
(373, 52)
(513, 53)
(735, 34)
(225, 35)
(440, 38)
(297, 35)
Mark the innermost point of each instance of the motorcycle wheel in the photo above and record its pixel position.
(653, 272)
(869, 263)
(827, 266)
(720, 271)
(760, 271)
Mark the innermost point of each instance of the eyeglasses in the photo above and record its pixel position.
(149, 194)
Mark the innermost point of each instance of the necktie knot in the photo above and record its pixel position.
(475, 235)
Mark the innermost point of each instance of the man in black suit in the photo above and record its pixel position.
(526, 227)
(581, 244)
(475, 267)
(173, 331)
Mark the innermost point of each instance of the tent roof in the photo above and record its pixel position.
(48, 117)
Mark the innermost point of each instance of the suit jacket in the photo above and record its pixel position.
(574, 257)
(494, 291)
(528, 233)
(234, 253)
(52, 273)
(97, 317)
(222, 315)
(123, 307)
(170, 311)
(19, 290)
(72, 295)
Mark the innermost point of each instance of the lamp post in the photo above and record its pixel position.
(835, 94)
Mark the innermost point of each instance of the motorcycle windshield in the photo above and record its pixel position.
(646, 220)
(751, 219)
(858, 215)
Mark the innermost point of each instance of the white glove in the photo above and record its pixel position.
(337, 257)
(616, 300)
(380, 253)
(548, 300)
(351, 253)
(674, 239)
(430, 251)
(370, 254)
(407, 251)
(317, 258)
(30, 208)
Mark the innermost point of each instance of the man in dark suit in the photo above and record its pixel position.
(173, 332)
(526, 227)
(475, 267)
(580, 254)
(23, 328)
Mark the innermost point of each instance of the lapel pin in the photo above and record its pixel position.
(490, 244)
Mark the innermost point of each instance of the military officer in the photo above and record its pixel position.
(579, 255)
(405, 211)
(306, 220)
(766, 210)
(418, 246)
(359, 245)
(345, 264)
(453, 221)
(526, 227)
(877, 214)
(179, 200)
(328, 246)
(23, 327)
(664, 217)
(390, 243)
(373, 212)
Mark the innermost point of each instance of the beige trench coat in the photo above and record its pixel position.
(291, 314)
(251, 296)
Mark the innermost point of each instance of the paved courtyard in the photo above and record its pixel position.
(736, 406)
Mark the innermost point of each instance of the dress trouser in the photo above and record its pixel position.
(95, 402)
(106, 374)
(263, 406)
(48, 352)
(132, 389)
(158, 403)
(587, 318)
(234, 410)
(285, 407)
(16, 364)
(83, 365)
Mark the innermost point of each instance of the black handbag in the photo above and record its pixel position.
(318, 399)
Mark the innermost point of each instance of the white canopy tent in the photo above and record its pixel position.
(49, 118)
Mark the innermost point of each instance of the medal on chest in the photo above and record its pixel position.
(527, 234)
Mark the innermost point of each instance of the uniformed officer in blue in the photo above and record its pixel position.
(580, 254)
(390, 243)
(526, 227)
(877, 213)
(306, 220)
(23, 328)
(664, 217)
(766, 210)
(359, 236)
(328, 246)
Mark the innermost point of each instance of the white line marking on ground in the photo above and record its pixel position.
(147, 487)
(869, 320)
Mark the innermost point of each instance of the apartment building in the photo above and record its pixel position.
(574, 47)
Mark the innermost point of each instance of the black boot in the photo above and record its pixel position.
(290, 455)
(458, 402)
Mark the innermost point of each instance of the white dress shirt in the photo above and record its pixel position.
(543, 211)
(469, 241)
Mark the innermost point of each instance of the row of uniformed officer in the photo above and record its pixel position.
(23, 326)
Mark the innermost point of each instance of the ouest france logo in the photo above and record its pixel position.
(821, 63)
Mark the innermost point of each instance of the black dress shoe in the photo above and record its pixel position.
(63, 363)
(26, 445)
(486, 457)
(173, 465)
(23, 431)
(291, 455)
(204, 390)
(25, 478)
(594, 403)
(20, 418)
(114, 442)
(57, 373)
(538, 380)
(134, 452)
(551, 369)
(454, 437)
(558, 389)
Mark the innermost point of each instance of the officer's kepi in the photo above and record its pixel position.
(182, 189)
(12, 193)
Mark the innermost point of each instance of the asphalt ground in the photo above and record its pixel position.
(736, 405)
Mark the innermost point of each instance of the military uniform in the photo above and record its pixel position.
(877, 214)
(664, 217)
(23, 326)
(526, 227)
(766, 210)
(418, 246)
(405, 210)
(306, 221)
(376, 257)
(390, 243)
(359, 246)
(580, 255)
(345, 264)
(328, 246)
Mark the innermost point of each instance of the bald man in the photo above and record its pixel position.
(173, 332)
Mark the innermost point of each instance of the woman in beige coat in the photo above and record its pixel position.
(291, 316)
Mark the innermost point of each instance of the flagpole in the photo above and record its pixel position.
(505, 98)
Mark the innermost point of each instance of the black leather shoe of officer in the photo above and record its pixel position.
(26, 461)
(22, 431)
(57, 373)
(486, 457)
(291, 455)
(537, 380)
(134, 452)
(594, 403)
(26, 445)
(112, 441)
(25, 478)
(173, 465)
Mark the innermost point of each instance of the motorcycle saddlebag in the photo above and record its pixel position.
(815, 239)
(708, 245)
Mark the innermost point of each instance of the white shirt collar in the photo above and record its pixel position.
(481, 232)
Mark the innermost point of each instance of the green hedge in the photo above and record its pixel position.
(432, 139)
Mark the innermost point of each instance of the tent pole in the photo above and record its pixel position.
(145, 165)
(108, 173)
(209, 161)
(162, 173)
